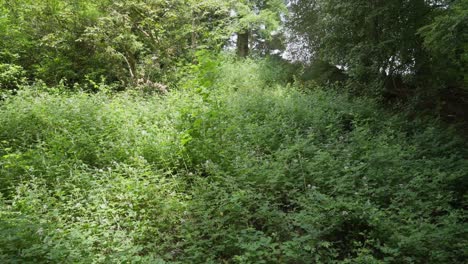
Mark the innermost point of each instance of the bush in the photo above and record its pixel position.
(11, 76)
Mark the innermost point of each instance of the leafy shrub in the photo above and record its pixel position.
(11, 76)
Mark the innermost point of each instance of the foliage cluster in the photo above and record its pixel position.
(238, 167)
(397, 48)
(131, 43)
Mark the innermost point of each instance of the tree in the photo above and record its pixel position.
(255, 22)
(397, 44)
(119, 41)
(42, 38)
(446, 37)
(373, 39)
(147, 39)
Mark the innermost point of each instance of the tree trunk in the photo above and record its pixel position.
(194, 33)
(243, 44)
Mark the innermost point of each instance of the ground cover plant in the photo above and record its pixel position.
(237, 165)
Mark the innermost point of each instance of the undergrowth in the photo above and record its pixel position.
(236, 166)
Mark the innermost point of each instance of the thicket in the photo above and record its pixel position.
(235, 167)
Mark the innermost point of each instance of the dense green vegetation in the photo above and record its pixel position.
(414, 50)
(244, 172)
(126, 43)
(131, 133)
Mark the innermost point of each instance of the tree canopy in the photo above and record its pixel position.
(422, 43)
